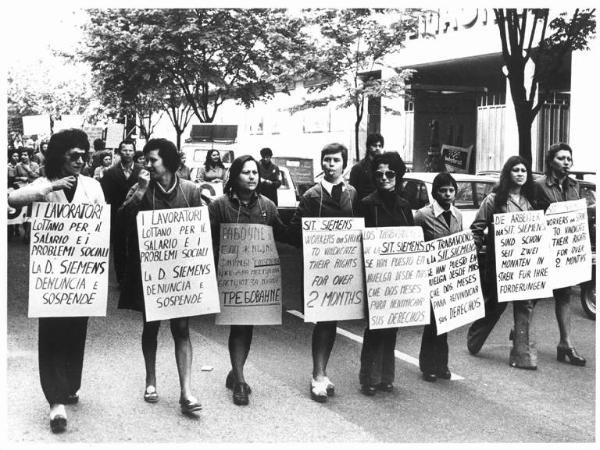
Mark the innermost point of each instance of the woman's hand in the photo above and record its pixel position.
(143, 179)
(63, 183)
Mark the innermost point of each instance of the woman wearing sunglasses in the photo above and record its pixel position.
(382, 208)
(515, 192)
(61, 340)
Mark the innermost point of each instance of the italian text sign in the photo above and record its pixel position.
(333, 269)
(521, 243)
(397, 276)
(570, 249)
(249, 276)
(454, 283)
(178, 270)
(68, 264)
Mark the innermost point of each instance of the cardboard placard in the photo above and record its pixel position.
(457, 159)
(178, 269)
(68, 121)
(570, 257)
(397, 277)
(39, 125)
(521, 242)
(333, 268)
(249, 276)
(68, 268)
(93, 133)
(114, 135)
(454, 282)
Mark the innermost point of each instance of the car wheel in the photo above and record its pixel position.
(588, 298)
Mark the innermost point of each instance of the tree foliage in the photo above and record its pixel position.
(525, 40)
(351, 46)
(147, 58)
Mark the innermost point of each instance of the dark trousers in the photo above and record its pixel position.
(377, 360)
(433, 357)
(61, 344)
(119, 244)
(481, 328)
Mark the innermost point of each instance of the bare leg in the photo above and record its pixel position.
(183, 354)
(323, 339)
(240, 339)
(149, 344)
(562, 308)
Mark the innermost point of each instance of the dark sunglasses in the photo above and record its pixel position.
(389, 174)
(76, 155)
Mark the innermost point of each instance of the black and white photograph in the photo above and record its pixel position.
(294, 223)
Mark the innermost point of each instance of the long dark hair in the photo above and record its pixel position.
(503, 188)
(208, 164)
(234, 172)
(60, 143)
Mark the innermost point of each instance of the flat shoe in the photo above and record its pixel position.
(240, 394)
(189, 405)
(430, 377)
(385, 387)
(330, 386)
(318, 391)
(72, 399)
(150, 395)
(58, 424)
(368, 389)
(444, 374)
(521, 366)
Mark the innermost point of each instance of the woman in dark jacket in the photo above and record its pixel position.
(241, 203)
(158, 187)
(382, 208)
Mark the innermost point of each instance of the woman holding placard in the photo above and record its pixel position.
(514, 192)
(61, 340)
(384, 207)
(242, 203)
(557, 186)
(332, 197)
(158, 187)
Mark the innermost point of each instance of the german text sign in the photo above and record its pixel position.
(333, 268)
(68, 269)
(178, 269)
(396, 271)
(454, 283)
(570, 247)
(521, 243)
(249, 276)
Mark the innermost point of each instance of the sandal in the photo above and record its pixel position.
(189, 405)
(150, 395)
(330, 386)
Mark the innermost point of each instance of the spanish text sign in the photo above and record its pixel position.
(454, 283)
(68, 268)
(178, 269)
(249, 276)
(570, 248)
(333, 268)
(521, 242)
(397, 276)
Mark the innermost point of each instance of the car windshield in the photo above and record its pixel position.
(471, 193)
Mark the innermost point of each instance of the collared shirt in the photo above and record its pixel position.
(127, 170)
(171, 189)
(438, 210)
(329, 186)
(550, 190)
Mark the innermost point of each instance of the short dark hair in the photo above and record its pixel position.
(333, 148)
(442, 179)
(374, 138)
(551, 153)
(127, 142)
(266, 152)
(60, 143)
(99, 144)
(137, 154)
(166, 150)
(234, 172)
(394, 162)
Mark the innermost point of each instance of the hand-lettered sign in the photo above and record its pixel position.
(333, 268)
(570, 257)
(68, 269)
(397, 276)
(522, 245)
(249, 276)
(178, 269)
(454, 283)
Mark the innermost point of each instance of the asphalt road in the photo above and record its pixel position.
(486, 401)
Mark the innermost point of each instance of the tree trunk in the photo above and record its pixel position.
(524, 122)
(179, 133)
(356, 128)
